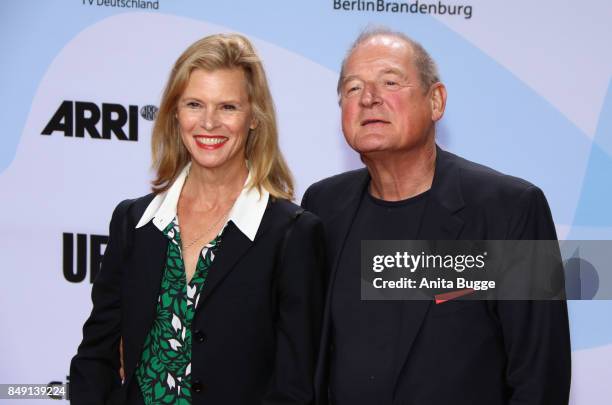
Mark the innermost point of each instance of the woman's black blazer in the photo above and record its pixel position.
(256, 328)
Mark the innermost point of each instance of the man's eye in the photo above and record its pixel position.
(352, 89)
(390, 83)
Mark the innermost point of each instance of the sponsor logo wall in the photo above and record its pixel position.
(529, 94)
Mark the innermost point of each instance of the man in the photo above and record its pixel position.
(419, 352)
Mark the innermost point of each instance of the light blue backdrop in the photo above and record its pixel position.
(539, 109)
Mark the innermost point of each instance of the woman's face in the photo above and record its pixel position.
(214, 114)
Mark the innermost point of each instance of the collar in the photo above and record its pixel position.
(246, 214)
(445, 187)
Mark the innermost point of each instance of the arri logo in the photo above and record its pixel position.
(149, 112)
(77, 118)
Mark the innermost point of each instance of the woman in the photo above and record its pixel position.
(213, 282)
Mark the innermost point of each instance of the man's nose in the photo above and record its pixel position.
(370, 96)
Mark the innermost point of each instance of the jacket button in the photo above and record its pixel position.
(197, 386)
(199, 336)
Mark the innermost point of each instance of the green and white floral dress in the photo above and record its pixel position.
(164, 372)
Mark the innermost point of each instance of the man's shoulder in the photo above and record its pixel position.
(510, 207)
(339, 184)
(482, 183)
(334, 191)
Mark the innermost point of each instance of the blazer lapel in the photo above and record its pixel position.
(150, 249)
(439, 223)
(234, 244)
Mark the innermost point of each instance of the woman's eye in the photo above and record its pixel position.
(229, 107)
(193, 104)
(390, 83)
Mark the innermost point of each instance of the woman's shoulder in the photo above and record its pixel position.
(289, 211)
(133, 208)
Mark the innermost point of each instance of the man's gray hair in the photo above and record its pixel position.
(424, 63)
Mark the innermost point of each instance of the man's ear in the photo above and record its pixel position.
(437, 98)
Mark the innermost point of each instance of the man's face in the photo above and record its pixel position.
(384, 106)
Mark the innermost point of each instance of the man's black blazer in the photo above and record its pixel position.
(468, 352)
(256, 328)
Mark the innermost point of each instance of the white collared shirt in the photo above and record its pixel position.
(246, 214)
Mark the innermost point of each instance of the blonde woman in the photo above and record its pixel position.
(214, 281)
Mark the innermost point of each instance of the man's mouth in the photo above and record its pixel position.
(371, 121)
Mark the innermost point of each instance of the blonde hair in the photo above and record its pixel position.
(222, 51)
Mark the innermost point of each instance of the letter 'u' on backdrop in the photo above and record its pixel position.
(529, 94)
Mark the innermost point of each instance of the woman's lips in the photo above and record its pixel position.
(210, 142)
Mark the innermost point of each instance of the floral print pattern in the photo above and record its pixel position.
(164, 371)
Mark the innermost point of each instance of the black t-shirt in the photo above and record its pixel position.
(365, 333)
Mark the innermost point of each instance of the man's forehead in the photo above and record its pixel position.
(391, 42)
(379, 54)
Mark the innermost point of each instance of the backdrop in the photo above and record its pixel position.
(529, 94)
